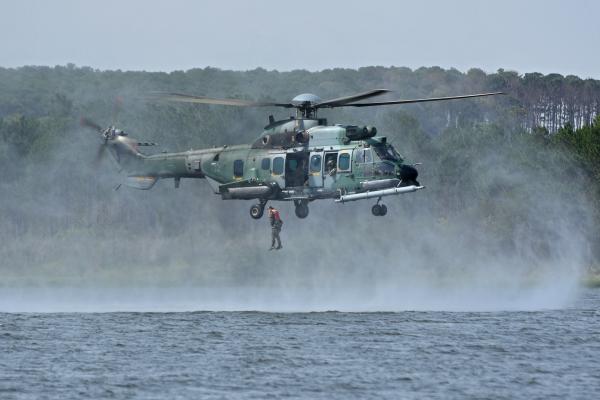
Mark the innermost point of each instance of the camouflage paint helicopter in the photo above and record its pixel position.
(299, 159)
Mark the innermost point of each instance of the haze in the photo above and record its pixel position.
(541, 36)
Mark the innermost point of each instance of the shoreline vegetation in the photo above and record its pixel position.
(592, 278)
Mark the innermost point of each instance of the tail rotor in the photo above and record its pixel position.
(106, 135)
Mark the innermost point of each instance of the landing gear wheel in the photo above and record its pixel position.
(256, 211)
(376, 210)
(301, 210)
(379, 210)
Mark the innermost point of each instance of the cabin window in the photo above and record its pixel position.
(330, 163)
(278, 166)
(265, 164)
(238, 168)
(315, 163)
(292, 164)
(344, 162)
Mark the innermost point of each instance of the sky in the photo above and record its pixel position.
(527, 36)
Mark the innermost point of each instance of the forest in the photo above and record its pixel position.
(516, 174)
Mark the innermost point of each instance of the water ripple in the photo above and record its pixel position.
(330, 355)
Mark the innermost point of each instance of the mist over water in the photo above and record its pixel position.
(340, 258)
(90, 248)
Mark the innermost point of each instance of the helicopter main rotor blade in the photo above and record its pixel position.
(341, 101)
(88, 123)
(385, 103)
(186, 98)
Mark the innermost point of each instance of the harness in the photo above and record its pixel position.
(277, 222)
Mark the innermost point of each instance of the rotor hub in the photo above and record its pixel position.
(306, 98)
(306, 104)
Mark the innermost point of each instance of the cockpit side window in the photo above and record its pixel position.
(364, 156)
(384, 168)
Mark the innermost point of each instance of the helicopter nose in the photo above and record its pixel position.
(408, 175)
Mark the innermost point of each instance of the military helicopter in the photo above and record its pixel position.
(299, 159)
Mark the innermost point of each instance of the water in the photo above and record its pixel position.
(510, 354)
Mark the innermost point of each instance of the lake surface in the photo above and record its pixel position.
(493, 355)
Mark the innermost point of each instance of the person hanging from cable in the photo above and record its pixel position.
(276, 224)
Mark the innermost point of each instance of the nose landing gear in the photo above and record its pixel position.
(379, 210)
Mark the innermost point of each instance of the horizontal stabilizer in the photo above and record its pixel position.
(141, 182)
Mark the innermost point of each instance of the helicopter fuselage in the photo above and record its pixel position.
(298, 160)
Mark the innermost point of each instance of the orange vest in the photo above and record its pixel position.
(275, 215)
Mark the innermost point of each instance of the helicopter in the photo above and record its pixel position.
(299, 159)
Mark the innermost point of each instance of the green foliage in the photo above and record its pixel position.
(584, 143)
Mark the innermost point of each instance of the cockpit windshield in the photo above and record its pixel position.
(387, 152)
